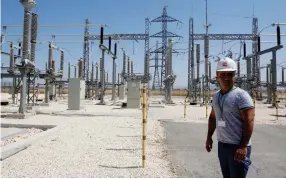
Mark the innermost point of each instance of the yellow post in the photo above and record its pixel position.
(144, 121)
(147, 102)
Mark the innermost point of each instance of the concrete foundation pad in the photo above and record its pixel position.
(12, 149)
(156, 102)
(44, 104)
(29, 107)
(19, 116)
(100, 103)
(153, 106)
(11, 132)
(171, 104)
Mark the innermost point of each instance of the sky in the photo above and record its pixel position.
(128, 16)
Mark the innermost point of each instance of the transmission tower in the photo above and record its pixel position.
(86, 56)
(164, 34)
(156, 79)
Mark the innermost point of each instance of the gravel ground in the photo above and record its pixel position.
(93, 147)
(30, 132)
(104, 141)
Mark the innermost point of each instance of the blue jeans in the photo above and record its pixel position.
(229, 167)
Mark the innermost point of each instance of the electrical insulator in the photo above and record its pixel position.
(101, 35)
(244, 49)
(258, 41)
(19, 50)
(278, 36)
(109, 43)
(115, 49)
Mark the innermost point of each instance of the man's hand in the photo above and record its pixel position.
(240, 154)
(209, 144)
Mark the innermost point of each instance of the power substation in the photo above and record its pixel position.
(89, 102)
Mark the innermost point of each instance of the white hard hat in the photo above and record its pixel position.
(226, 64)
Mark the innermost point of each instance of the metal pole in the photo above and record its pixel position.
(131, 68)
(47, 93)
(69, 71)
(274, 78)
(113, 79)
(14, 91)
(102, 78)
(192, 82)
(80, 69)
(170, 71)
(248, 71)
(283, 68)
(268, 84)
(123, 68)
(118, 77)
(274, 82)
(198, 70)
(92, 79)
(96, 79)
(106, 73)
(12, 66)
(128, 66)
(206, 45)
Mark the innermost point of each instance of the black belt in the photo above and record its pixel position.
(226, 145)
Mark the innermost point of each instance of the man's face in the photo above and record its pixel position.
(225, 78)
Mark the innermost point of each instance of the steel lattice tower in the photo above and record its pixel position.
(164, 34)
(156, 78)
(255, 60)
(86, 55)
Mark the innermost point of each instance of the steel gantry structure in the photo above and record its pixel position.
(88, 37)
(164, 34)
(192, 83)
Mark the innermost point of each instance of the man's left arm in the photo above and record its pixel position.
(246, 108)
(247, 116)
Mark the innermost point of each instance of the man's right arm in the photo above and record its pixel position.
(211, 124)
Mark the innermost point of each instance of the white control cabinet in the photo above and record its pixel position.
(76, 90)
(133, 93)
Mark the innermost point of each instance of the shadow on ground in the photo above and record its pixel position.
(128, 167)
(125, 149)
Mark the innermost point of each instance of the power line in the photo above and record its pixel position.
(232, 15)
(59, 26)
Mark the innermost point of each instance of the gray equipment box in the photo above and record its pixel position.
(133, 94)
(121, 92)
(76, 90)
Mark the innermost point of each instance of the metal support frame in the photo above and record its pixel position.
(207, 38)
(104, 50)
(136, 37)
(272, 50)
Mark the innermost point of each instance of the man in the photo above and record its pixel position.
(232, 115)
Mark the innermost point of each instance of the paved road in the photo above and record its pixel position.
(185, 142)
